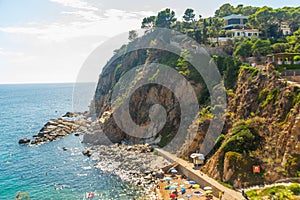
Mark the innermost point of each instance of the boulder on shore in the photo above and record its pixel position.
(24, 141)
(87, 152)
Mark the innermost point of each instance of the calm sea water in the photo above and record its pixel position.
(24, 109)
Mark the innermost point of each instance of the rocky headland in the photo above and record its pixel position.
(261, 121)
(55, 129)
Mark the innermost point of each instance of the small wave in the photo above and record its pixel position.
(87, 168)
(82, 174)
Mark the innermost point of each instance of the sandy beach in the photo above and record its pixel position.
(177, 182)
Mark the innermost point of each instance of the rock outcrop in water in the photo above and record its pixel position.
(24, 141)
(56, 129)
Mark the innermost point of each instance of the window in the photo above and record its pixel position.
(238, 33)
(234, 21)
(249, 34)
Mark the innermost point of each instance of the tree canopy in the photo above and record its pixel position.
(189, 15)
(132, 35)
(148, 22)
(165, 18)
(268, 20)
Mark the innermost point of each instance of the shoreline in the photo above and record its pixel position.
(113, 159)
(134, 164)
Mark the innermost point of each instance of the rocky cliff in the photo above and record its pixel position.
(262, 121)
(263, 116)
(142, 98)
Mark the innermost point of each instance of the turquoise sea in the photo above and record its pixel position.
(38, 170)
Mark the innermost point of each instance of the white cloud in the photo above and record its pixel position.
(124, 14)
(4, 52)
(119, 13)
(89, 23)
(54, 51)
(24, 30)
(76, 4)
(86, 15)
(15, 56)
(145, 13)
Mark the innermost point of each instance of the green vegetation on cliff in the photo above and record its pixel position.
(266, 19)
(261, 129)
(280, 192)
(261, 117)
(243, 138)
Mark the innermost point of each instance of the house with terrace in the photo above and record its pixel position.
(236, 26)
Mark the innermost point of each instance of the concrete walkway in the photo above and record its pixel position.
(296, 84)
(188, 170)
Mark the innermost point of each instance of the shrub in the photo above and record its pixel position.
(295, 188)
(252, 70)
(243, 138)
(272, 95)
(219, 140)
(297, 58)
(292, 165)
(252, 194)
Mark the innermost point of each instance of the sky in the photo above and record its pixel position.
(47, 41)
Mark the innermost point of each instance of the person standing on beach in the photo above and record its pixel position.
(221, 195)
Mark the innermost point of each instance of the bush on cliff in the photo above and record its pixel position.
(244, 138)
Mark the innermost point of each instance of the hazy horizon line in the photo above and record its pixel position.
(40, 83)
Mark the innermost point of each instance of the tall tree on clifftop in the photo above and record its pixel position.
(262, 19)
(189, 22)
(132, 35)
(224, 10)
(148, 22)
(165, 18)
(189, 15)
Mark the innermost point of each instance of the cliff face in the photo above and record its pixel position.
(264, 116)
(262, 122)
(142, 99)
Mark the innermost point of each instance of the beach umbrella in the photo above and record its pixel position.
(208, 192)
(172, 196)
(167, 187)
(192, 182)
(174, 171)
(172, 187)
(197, 193)
(187, 182)
(207, 188)
(172, 168)
(183, 191)
(167, 178)
(195, 186)
(189, 196)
